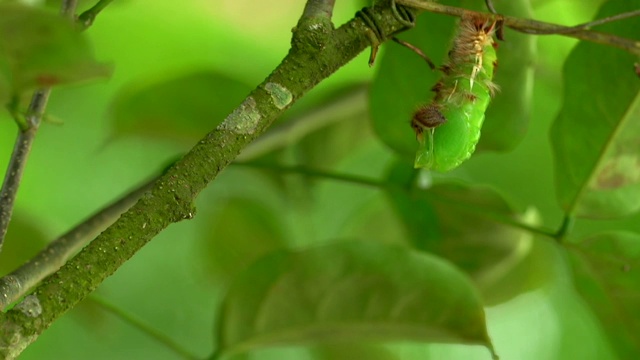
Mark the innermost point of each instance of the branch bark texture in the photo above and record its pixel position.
(317, 50)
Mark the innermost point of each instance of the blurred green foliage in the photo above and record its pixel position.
(180, 66)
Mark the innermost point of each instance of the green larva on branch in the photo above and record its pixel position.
(448, 128)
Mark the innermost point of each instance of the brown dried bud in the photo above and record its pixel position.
(428, 116)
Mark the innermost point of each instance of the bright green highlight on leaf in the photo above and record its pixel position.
(462, 97)
(350, 291)
(39, 48)
(595, 137)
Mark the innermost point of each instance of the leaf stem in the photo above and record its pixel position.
(537, 27)
(360, 180)
(87, 18)
(302, 170)
(565, 228)
(18, 283)
(142, 327)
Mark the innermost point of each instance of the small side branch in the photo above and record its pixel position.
(28, 130)
(319, 8)
(541, 28)
(21, 151)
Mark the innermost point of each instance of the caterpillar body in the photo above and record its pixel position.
(448, 128)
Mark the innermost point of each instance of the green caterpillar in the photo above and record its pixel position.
(448, 128)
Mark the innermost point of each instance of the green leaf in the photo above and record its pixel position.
(595, 137)
(508, 115)
(241, 231)
(182, 108)
(350, 291)
(468, 225)
(607, 275)
(40, 48)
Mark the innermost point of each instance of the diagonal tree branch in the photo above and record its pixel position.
(317, 51)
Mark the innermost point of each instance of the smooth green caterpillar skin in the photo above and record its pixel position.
(448, 128)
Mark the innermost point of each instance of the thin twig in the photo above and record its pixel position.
(12, 179)
(87, 18)
(24, 142)
(590, 24)
(143, 327)
(18, 283)
(416, 50)
(534, 27)
(319, 8)
(21, 150)
(378, 184)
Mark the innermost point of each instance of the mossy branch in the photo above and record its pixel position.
(317, 51)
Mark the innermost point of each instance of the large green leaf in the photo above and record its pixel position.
(595, 137)
(350, 291)
(40, 48)
(468, 225)
(181, 108)
(403, 81)
(607, 275)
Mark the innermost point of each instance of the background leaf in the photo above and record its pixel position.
(508, 115)
(182, 108)
(464, 224)
(607, 275)
(350, 291)
(240, 231)
(43, 49)
(595, 137)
